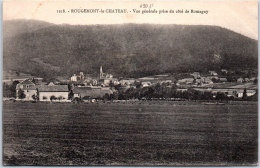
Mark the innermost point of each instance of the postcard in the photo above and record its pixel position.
(130, 83)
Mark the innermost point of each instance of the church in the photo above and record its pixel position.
(106, 78)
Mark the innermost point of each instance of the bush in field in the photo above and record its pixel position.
(44, 98)
(106, 96)
(21, 94)
(77, 99)
(34, 97)
(221, 96)
(207, 96)
(86, 98)
(60, 98)
(7, 92)
(53, 98)
(70, 95)
(244, 94)
(10, 90)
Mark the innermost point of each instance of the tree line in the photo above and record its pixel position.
(164, 91)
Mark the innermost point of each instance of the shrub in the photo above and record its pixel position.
(53, 98)
(21, 94)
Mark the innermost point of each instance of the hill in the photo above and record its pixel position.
(132, 50)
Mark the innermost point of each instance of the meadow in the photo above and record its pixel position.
(136, 134)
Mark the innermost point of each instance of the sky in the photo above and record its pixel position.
(238, 15)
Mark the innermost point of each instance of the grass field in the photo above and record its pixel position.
(174, 133)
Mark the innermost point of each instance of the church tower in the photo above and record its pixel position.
(101, 72)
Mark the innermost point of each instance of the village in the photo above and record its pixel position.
(213, 85)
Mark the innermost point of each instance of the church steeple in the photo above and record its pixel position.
(100, 72)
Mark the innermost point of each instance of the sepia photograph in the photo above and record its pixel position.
(130, 83)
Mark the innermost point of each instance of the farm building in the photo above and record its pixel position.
(55, 92)
(240, 80)
(223, 79)
(224, 71)
(91, 92)
(126, 82)
(213, 73)
(186, 81)
(146, 84)
(28, 88)
(195, 75)
(235, 92)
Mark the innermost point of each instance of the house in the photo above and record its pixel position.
(26, 87)
(230, 92)
(203, 80)
(76, 78)
(107, 81)
(250, 92)
(196, 75)
(186, 81)
(252, 79)
(146, 84)
(91, 92)
(246, 79)
(207, 80)
(213, 73)
(91, 82)
(53, 92)
(213, 77)
(126, 82)
(199, 81)
(223, 80)
(240, 80)
(166, 81)
(224, 71)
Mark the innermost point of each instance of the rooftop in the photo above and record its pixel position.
(54, 88)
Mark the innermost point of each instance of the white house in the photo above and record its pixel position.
(53, 92)
(186, 81)
(213, 73)
(28, 88)
(240, 80)
(195, 75)
(74, 78)
(126, 82)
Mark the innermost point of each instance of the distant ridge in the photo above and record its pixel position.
(130, 50)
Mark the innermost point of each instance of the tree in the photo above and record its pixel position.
(77, 100)
(106, 96)
(207, 96)
(70, 95)
(6, 91)
(53, 98)
(60, 98)
(244, 94)
(138, 84)
(117, 87)
(111, 84)
(17, 73)
(214, 80)
(33, 81)
(12, 88)
(221, 96)
(21, 94)
(34, 97)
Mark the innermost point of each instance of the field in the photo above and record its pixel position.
(166, 134)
